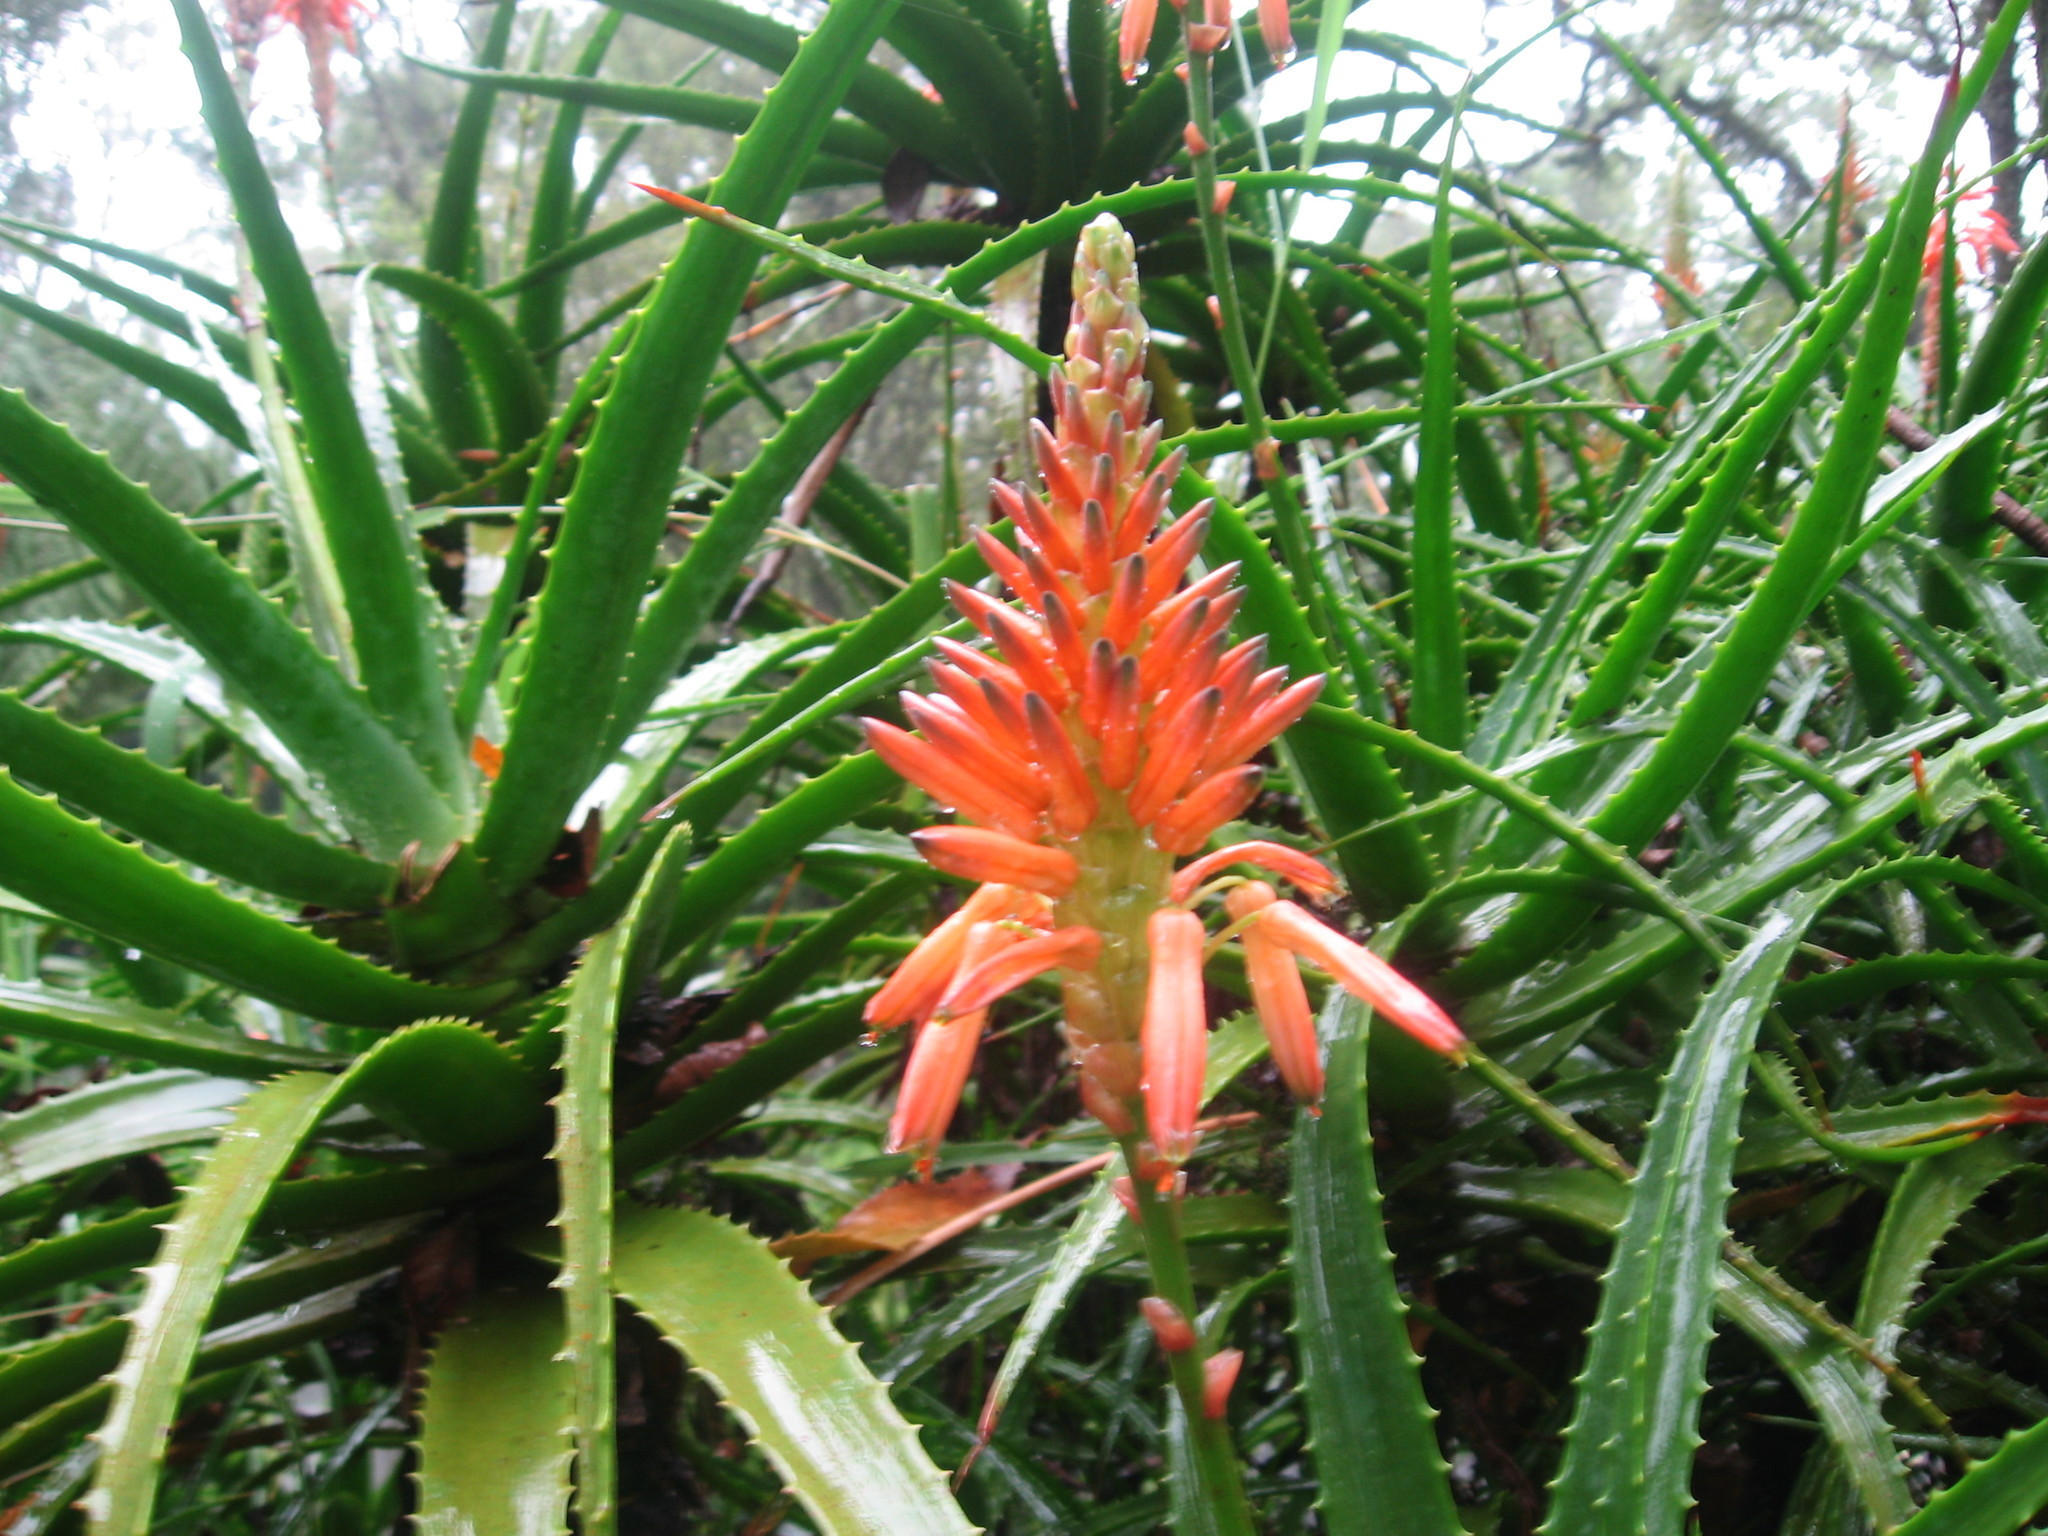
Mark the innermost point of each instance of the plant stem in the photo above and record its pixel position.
(1220, 1483)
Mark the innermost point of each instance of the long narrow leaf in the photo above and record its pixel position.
(745, 1324)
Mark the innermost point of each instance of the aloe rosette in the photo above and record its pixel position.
(1103, 732)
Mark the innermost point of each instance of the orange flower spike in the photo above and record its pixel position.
(1006, 564)
(1264, 723)
(913, 992)
(1278, 995)
(1168, 556)
(1364, 975)
(1275, 858)
(941, 1057)
(1175, 1038)
(1067, 647)
(1027, 651)
(975, 854)
(975, 987)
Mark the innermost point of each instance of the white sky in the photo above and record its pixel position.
(117, 96)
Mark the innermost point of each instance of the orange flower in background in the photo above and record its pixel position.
(1102, 731)
(1982, 236)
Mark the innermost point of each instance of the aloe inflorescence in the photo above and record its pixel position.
(1104, 731)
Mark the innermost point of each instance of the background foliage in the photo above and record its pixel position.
(442, 879)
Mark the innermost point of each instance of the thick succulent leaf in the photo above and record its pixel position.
(1995, 1497)
(197, 823)
(128, 1029)
(389, 606)
(298, 1206)
(350, 753)
(875, 95)
(180, 1288)
(582, 1156)
(212, 289)
(704, 109)
(511, 384)
(1628, 1453)
(452, 1086)
(109, 1121)
(77, 871)
(746, 1325)
(1370, 1431)
(494, 1445)
(174, 381)
(159, 658)
(619, 506)
(1828, 1375)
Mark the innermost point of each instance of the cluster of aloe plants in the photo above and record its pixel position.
(436, 1016)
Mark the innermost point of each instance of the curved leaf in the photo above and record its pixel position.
(753, 1331)
(356, 760)
(174, 381)
(180, 1290)
(1628, 1454)
(850, 139)
(450, 1085)
(1993, 1498)
(376, 556)
(494, 1435)
(197, 823)
(109, 1121)
(127, 1029)
(113, 888)
(497, 358)
(1377, 1463)
(619, 506)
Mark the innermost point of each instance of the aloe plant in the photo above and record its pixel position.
(438, 1025)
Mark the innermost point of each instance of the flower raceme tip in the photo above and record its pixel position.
(1101, 729)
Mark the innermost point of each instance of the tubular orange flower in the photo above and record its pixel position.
(928, 970)
(1100, 731)
(1134, 35)
(1175, 1036)
(1278, 995)
(1277, 31)
(940, 1059)
(974, 854)
(1364, 975)
(977, 986)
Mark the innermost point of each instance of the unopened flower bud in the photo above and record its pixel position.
(1219, 1375)
(1170, 1326)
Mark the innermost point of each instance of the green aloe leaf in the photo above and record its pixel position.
(295, 1207)
(181, 1288)
(353, 756)
(705, 109)
(451, 247)
(1995, 1497)
(112, 888)
(494, 1423)
(164, 661)
(376, 556)
(450, 1085)
(1628, 1454)
(582, 1155)
(874, 95)
(212, 289)
(619, 506)
(746, 1325)
(1377, 1463)
(509, 381)
(174, 381)
(127, 1029)
(109, 1121)
(197, 823)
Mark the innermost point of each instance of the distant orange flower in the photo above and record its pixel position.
(1982, 236)
(1102, 731)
